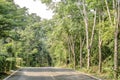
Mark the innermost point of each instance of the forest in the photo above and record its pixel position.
(83, 35)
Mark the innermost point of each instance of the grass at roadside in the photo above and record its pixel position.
(3, 75)
(106, 74)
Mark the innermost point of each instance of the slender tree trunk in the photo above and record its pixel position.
(80, 53)
(93, 30)
(27, 62)
(116, 53)
(73, 51)
(81, 47)
(88, 44)
(100, 54)
(72, 48)
(117, 22)
(108, 11)
(101, 19)
(87, 36)
(69, 57)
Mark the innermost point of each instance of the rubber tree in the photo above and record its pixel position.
(116, 6)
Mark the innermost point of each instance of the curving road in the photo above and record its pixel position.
(48, 73)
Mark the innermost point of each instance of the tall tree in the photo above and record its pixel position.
(11, 16)
(88, 42)
(117, 22)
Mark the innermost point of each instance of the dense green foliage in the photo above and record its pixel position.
(81, 35)
(23, 38)
(11, 17)
(84, 30)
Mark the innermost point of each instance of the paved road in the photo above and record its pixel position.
(48, 73)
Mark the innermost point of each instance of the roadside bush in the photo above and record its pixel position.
(6, 64)
(2, 63)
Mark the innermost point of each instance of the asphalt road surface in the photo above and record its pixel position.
(48, 73)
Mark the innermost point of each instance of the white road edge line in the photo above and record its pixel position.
(52, 77)
(93, 76)
(11, 74)
(88, 75)
(81, 73)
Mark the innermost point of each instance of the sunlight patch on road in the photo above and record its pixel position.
(48, 73)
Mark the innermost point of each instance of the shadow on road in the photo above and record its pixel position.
(46, 69)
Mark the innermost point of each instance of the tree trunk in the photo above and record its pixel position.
(108, 11)
(73, 51)
(117, 22)
(69, 55)
(72, 48)
(101, 19)
(87, 36)
(116, 53)
(88, 44)
(81, 47)
(80, 53)
(100, 54)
